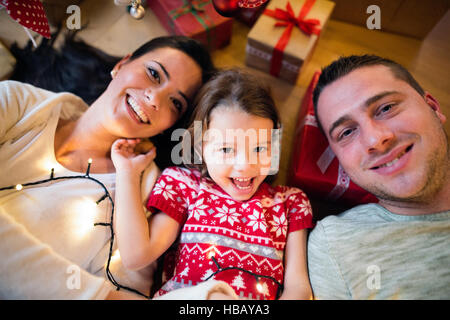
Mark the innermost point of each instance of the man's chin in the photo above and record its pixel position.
(404, 193)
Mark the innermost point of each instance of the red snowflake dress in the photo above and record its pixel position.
(250, 235)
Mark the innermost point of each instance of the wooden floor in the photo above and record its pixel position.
(110, 28)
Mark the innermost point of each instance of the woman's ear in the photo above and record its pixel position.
(119, 64)
(434, 104)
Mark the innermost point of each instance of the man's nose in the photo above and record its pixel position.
(377, 136)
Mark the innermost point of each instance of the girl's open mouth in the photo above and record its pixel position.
(242, 183)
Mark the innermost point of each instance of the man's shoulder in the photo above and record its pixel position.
(334, 226)
(359, 213)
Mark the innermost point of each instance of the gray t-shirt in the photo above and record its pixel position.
(370, 253)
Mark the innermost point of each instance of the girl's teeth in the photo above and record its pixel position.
(243, 188)
(142, 116)
(242, 183)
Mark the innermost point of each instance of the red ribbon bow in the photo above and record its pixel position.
(287, 19)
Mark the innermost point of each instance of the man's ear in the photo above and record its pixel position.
(434, 104)
(120, 64)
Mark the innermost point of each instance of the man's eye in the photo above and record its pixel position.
(154, 74)
(346, 133)
(385, 109)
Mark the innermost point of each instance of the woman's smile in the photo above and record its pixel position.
(137, 112)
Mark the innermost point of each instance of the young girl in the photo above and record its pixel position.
(234, 226)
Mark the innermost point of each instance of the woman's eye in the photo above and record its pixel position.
(178, 105)
(154, 74)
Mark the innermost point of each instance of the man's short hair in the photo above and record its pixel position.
(345, 65)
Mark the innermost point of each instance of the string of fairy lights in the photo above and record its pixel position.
(107, 195)
(259, 286)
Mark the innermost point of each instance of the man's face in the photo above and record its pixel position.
(388, 138)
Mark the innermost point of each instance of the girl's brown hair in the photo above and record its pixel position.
(232, 87)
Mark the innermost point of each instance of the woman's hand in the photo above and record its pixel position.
(125, 157)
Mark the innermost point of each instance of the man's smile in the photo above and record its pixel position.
(393, 161)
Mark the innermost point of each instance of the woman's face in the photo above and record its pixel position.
(150, 93)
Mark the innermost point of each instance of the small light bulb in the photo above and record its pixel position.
(211, 254)
(88, 166)
(19, 187)
(116, 255)
(259, 287)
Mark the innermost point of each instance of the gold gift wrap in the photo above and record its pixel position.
(264, 36)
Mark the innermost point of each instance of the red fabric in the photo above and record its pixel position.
(219, 30)
(287, 19)
(30, 14)
(250, 235)
(309, 146)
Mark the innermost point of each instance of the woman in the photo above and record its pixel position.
(49, 245)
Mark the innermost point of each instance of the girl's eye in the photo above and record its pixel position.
(226, 150)
(260, 149)
(154, 74)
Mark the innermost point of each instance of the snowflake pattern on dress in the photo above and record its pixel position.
(227, 214)
(165, 190)
(257, 221)
(250, 235)
(199, 210)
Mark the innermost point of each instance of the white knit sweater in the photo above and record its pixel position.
(49, 246)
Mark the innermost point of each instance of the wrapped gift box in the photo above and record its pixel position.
(278, 46)
(196, 19)
(314, 167)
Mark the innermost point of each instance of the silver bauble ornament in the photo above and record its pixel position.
(137, 11)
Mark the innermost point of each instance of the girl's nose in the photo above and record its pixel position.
(242, 160)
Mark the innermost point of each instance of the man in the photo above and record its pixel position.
(388, 135)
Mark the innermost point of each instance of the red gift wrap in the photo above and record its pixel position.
(196, 19)
(284, 37)
(315, 169)
(30, 14)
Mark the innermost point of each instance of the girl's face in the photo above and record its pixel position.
(150, 93)
(237, 150)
